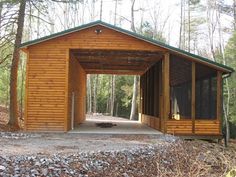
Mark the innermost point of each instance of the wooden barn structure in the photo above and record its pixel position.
(181, 93)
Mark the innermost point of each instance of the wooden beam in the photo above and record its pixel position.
(166, 89)
(113, 67)
(109, 71)
(99, 52)
(219, 100)
(193, 96)
(114, 58)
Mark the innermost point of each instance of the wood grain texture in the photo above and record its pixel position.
(49, 75)
(151, 121)
(53, 73)
(166, 90)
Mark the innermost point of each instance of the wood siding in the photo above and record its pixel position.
(207, 127)
(151, 121)
(45, 85)
(179, 127)
(184, 127)
(77, 85)
(48, 100)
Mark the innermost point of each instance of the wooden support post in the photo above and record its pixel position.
(219, 100)
(145, 94)
(166, 90)
(193, 97)
(160, 94)
(141, 98)
(26, 92)
(66, 90)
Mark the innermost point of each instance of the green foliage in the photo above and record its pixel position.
(123, 94)
(230, 54)
(4, 86)
(147, 30)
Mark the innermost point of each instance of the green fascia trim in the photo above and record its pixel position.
(158, 43)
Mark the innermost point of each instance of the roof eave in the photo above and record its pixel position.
(224, 68)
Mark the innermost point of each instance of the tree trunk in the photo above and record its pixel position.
(13, 117)
(95, 94)
(188, 25)
(1, 5)
(116, 2)
(101, 6)
(181, 25)
(108, 110)
(134, 98)
(113, 85)
(234, 9)
(226, 111)
(89, 95)
(184, 27)
(132, 16)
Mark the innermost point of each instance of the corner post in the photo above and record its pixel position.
(141, 98)
(26, 90)
(166, 90)
(193, 97)
(219, 100)
(66, 90)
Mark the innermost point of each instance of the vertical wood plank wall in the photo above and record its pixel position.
(46, 83)
(47, 103)
(77, 84)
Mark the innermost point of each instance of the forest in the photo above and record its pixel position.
(203, 27)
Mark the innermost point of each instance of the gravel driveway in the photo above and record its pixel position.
(83, 155)
(50, 143)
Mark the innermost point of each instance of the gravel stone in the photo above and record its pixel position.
(2, 168)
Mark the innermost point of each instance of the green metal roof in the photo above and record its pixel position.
(155, 42)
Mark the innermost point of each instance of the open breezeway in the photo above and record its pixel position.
(100, 124)
(180, 93)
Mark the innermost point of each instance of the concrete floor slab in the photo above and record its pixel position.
(123, 126)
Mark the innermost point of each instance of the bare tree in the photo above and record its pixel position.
(89, 94)
(101, 8)
(116, 2)
(112, 100)
(135, 87)
(234, 13)
(226, 101)
(189, 26)
(13, 117)
(181, 23)
(211, 25)
(95, 86)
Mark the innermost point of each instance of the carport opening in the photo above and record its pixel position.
(95, 98)
(111, 95)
